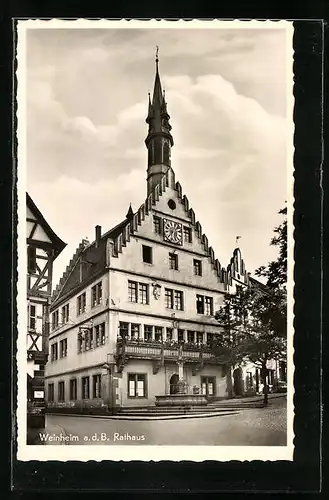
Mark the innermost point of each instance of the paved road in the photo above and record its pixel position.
(255, 427)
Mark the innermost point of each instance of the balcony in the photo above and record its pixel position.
(161, 352)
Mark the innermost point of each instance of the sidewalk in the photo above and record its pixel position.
(250, 399)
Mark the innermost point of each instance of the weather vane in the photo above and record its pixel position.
(157, 54)
(237, 238)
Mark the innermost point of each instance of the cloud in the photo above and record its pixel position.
(86, 110)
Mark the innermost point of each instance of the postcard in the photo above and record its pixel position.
(155, 240)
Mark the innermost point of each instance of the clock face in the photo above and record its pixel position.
(173, 231)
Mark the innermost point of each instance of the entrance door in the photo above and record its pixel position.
(173, 383)
(237, 376)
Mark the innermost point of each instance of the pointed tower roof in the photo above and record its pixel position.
(158, 117)
(157, 91)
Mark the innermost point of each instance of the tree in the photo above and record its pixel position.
(254, 320)
(276, 271)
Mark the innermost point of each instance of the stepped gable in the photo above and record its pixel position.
(237, 266)
(84, 243)
(123, 236)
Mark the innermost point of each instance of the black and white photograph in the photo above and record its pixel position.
(155, 237)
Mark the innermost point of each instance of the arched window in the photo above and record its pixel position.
(158, 152)
(150, 155)
(166, 153)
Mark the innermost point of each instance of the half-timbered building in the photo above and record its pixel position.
(43, 246)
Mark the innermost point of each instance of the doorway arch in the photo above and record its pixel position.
(173, 383)
(237, 382)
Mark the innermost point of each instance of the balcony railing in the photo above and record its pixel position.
(167, 350)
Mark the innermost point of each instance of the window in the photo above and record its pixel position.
(96, 294)
(197, 264)
(199, 337)
(147, 254)
(65, 313)
(148, 332)
(169, 298)
(171, 204)
(81, 303)
(123, 329)
(143, 296)
(190, 336)
(73, 389)
(51, 393)
(283, 371)
(173, 261)
(32, 317)
(55, 319)
(208, 386)
(138, 292)
(158, 333)
(210, 338)
(136, 385)
(85, 339)
(31, 260)
(100, 334)
(157, 224)
(134, 331)
(61, 391)
(180, 335)
(179, 300)
(187, 234)
(169, 334)
(85, 387)
(97, 386)
(249, 384)
(208, 306)
(204, 305)
(63, 348)
(166, 153)
(174, 299)
(132, 291)
(54, 352)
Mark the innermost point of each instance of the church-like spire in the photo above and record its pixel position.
(159, 139)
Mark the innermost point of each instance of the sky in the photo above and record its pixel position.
(86, 104)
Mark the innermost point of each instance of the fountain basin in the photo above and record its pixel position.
(181, 400)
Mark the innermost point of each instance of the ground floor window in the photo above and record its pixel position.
(208, 386)
(73, 389)
(61, 391)
(97, 386)
(137, 385)
(85, 387)
(51, 393)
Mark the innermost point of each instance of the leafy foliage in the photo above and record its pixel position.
(276, 271)
(254, 320)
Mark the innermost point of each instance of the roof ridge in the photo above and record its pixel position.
(69, 268)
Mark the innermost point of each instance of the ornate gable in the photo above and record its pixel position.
(151, 204)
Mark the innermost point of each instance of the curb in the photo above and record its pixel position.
(162, 417)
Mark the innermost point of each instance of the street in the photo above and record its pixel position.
(249, 427)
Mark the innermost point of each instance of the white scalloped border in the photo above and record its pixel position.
(144, 453)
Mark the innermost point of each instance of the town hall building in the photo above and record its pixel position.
(132, 318)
